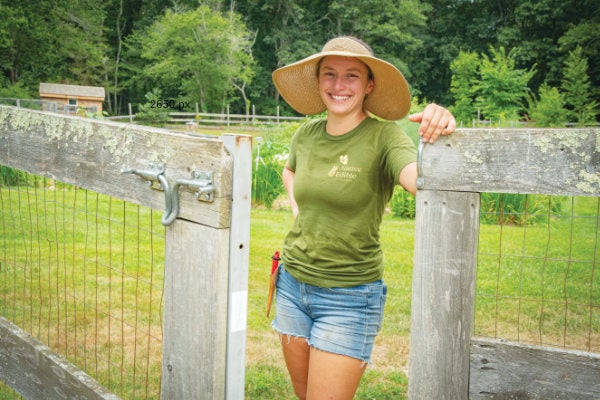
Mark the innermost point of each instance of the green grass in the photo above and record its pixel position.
(83, 273)
(73, 277)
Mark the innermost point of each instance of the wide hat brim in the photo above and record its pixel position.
(297, 83)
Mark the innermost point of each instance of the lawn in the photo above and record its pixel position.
(65, 277)
(536, 284)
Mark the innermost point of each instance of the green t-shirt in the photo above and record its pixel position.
(342, 185)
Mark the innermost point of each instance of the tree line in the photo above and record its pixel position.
(501, 60)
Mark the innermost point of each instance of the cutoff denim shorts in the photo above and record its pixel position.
(337, 320)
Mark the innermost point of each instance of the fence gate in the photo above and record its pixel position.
(444, 362)
(202, 185)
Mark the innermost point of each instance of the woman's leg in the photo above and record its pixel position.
(296, 352)
(317, 374)
(333, 376)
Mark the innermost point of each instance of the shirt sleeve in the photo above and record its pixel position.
(398, 151)
(291, 162)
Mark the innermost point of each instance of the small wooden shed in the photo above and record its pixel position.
(69, 98)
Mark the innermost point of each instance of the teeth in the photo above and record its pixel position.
(340, 98)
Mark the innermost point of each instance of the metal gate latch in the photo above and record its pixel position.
(202, 181)
(154, 176)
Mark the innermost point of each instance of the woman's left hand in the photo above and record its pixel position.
(435, 120)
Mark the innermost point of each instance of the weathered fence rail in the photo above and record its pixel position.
(207, 244)
(219, 120)
(38, 373)
(229, 119)
(452, 173)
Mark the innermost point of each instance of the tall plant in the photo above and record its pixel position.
(12, 177)
(502, 87)
(464, 74)
(270, 155)
(518, 209)
(577, 88)
(549, 110)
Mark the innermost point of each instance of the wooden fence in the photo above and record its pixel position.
(217, 120)
(204, 191)
(445, 363)
(206, 252)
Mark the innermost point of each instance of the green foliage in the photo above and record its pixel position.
(402, 204)
(49, 40)
(223, 52)
(150, 113)
(390, 27)
(502, 87)
(518, 209)
(270, 155)
(16, 91)
(201, 55)
(12, 177)
(577, 89)
(549, 110)
(464, 74)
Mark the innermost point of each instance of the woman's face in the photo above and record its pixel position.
(343, 84)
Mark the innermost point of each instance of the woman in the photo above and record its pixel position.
(339, 177)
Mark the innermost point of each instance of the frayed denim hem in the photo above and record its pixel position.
(290, 336)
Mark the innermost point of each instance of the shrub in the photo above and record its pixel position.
(518, 209)
(150, 112)
(402, 204)
(12, 177)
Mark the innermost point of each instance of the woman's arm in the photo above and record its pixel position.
(287, 177)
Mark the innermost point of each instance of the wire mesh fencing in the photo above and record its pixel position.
(537, 278)
(83, 273)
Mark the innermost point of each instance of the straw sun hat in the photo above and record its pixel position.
(297, 82)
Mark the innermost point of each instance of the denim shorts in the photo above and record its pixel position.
(337, 320)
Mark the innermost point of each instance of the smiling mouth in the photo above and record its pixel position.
(339, 98)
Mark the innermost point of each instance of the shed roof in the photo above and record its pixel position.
(72, 90)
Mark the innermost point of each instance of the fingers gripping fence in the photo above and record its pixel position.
(446, 361)
(110, 177)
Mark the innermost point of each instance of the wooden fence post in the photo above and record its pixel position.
(195, 314)
(240, 147)
(445, 260)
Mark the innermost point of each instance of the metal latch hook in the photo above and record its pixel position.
(201, 181)
(157, 180)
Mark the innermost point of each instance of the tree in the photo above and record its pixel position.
(49, 40)
(286, 30)
(465, 74)
(549, 110)
(585, 34)
(391, 28)
(502, 87)
(576, 86)
(198, 56)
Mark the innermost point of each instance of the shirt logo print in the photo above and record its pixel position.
(342, 171)
(333, 171)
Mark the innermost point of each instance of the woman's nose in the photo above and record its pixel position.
(338, 82)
